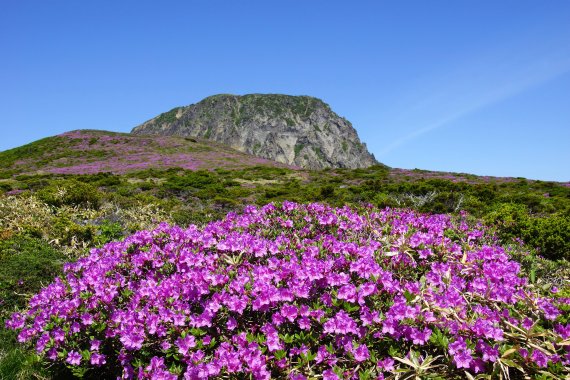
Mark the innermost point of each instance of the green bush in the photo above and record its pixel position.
(226, 203)
(71, 193)
(26, 264)
(198, 180)
(108, 231)
(326, 193)
(185, 216)
(508, 217)
(549, 234)
(383, 200)
(67, 232)
(17, 362)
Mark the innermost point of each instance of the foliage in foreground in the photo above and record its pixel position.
(301, 291)
(26, 264)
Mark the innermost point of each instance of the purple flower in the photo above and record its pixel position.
(289, 312)
(550, 311)
(330, 375)
(185, 344)
(342, 323)
(539, 358)
(131, 340)
(73, 358)
(273, 341)
(462, 359)
(304, 323)
(420, 337)
(457, 346)
(52, 354)
(563, 331)
(95, 345)
(347, 292)
(231, 324)
(527, 324)
(361, 353)
(87, 319)
(386, 364)
(490, 354)
(98, 359)
(58, 335)
(478, 366)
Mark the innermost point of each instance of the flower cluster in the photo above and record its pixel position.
(298, 291)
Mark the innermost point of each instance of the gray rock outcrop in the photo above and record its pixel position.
(295, 130)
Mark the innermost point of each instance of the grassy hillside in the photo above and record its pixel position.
(90, 152)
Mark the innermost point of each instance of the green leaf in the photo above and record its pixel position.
(365, 375)
(197, 332)
(310, 356)
(175, 369)
(78, 372)
(287, 338)
(280, 354)
(393, 351)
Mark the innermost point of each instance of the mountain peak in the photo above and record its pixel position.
(294, 130)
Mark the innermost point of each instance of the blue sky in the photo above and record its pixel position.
(480, 87)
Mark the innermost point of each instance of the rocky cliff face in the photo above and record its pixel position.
(295, 130)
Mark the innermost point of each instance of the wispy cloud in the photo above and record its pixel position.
(483, 88)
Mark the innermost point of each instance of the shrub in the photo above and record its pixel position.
(26, 215)
(26, 264)
(383, 200)
(71, 193)
(300, 292)
(549, 234)
(108, 231)
(142, 216)
(326, 192)
(73, 229)
(73, 234)
(199, 179)
(18, 363)
(225, 203)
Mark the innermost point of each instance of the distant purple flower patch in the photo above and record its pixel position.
(91, 152)
(14, 192)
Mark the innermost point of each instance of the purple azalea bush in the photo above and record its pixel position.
(300, 291)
